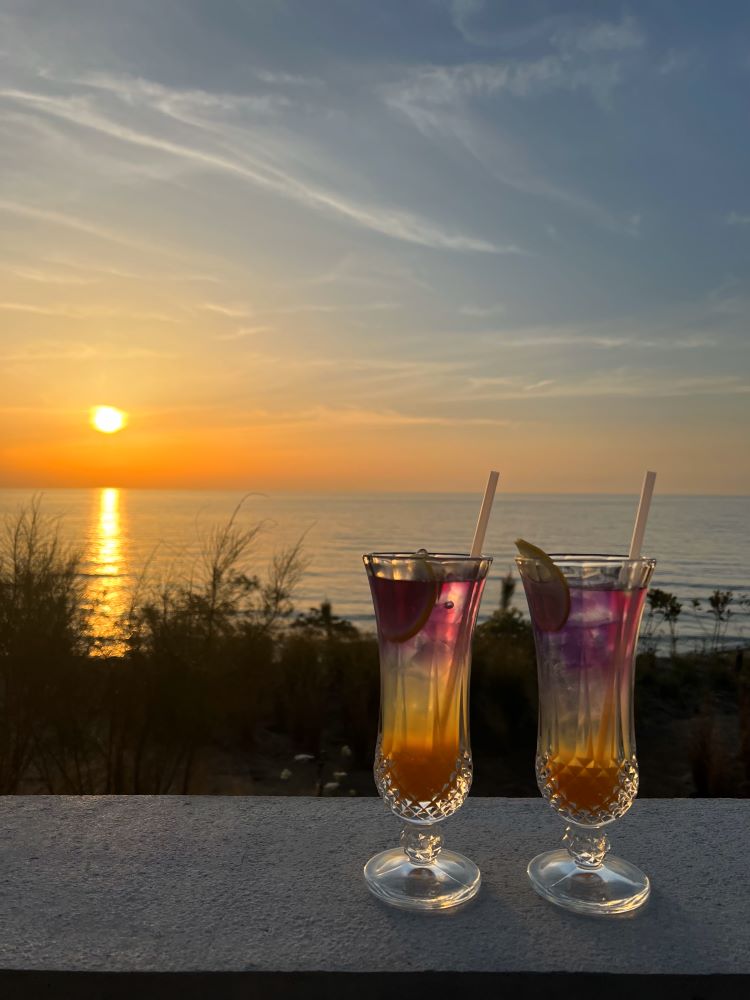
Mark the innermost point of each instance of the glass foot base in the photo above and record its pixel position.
(615, 887)
(449, 881)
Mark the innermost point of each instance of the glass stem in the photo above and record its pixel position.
(587, 847)
(422, 844)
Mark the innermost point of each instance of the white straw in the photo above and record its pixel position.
(639, 529)
(484, 514)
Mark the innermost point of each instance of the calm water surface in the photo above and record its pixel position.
(701, 543)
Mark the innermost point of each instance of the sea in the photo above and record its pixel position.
(145, 538)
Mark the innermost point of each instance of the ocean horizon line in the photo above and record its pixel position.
(270, 493)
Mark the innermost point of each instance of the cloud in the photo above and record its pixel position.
(448, 104)
(335, 307)
(287, 79)
(539, 385)
(601, 36)
(244, 331)
(479, 24)
(633, 224)
(232, 311)
(359, 417)
(49, 215)
(674, 62)
(737, 219)
(462, 13)
(85, 312)
(483, 312)
(398, 224)
(394, 418)
(238, 416)
(376, 272)
(186, 105)
(585, 57)
(80, 352)
(392, 367)
(49, 277)
(616, 384)
(472, 19)
(440, 86)
(107, 270)
(533, 339)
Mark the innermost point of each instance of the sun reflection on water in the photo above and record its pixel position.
(108, 533)
(107, 591)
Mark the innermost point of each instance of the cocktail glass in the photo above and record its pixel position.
(585, 763)
(426, 607)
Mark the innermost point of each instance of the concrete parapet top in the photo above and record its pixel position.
(274, 885)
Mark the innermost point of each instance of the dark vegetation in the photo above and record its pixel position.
(219, 686)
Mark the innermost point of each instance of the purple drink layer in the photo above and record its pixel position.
(601, 630)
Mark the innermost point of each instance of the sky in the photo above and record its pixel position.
(375, 246)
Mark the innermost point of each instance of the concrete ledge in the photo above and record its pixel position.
(256, 897)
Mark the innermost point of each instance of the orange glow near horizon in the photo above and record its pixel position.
(328, 458)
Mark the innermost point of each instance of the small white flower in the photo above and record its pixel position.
(346, 751)
(330, 786)
(285, 774)
(304, 756)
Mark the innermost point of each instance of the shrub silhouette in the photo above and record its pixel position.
(219, 668)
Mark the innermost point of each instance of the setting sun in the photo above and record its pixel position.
(107, 419)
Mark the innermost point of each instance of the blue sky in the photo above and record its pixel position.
(319, 239)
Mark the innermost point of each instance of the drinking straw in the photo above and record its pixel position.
(636, 543)
(639, 529)
(484, 514)
(476, 550)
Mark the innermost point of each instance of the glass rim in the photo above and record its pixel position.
(590, 559)
(429, 557)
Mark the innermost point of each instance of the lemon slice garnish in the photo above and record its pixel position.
(547, 590)
(409, 605)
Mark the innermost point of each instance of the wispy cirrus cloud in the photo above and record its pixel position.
(67, 311)
(441, 103)
(335, 307)
(244, 332)
(619, 383)
(481, 24)
(330, 416)
(46, 277)
(396, 418)
(79, 352)
(99, 268)
(600, 36)
(533, 339)
(39, 213)
(449, 102)
(737, 219)
(580, 57)
(483, 312)
(230, 311)
(541, 384)
(234, 151)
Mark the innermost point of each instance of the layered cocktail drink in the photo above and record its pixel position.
(586, 756)
(586, 612)
(426, 607)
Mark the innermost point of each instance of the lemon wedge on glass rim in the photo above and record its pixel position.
(547, 590)
(409, 609)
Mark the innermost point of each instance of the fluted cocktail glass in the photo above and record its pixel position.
(426, 607)
(586, 765)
